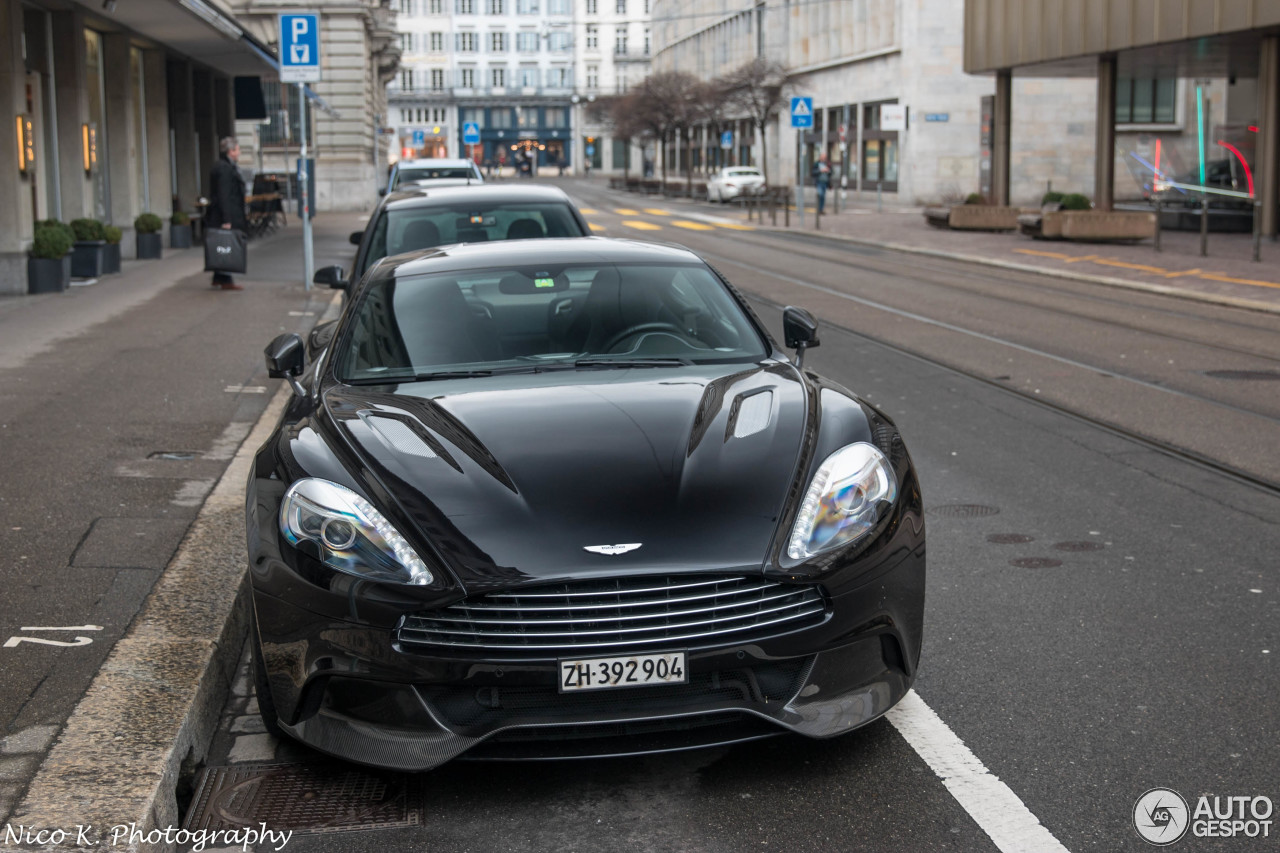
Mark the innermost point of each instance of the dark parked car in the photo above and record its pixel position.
(554, 498)
(421, 218)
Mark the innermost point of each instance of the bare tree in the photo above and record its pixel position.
(758, 89)
(665, 106)
(622, 115)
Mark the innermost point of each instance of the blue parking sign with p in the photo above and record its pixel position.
(299, 47)
(802, 112)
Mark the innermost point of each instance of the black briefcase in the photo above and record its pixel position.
(225, 250)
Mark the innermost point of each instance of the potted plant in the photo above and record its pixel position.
(111, 251)
(49, 267)
(150, 243)
(87, 252)
(179, 230)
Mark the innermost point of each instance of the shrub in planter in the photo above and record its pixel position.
(179, 230)
(49, 268)
(150, 243)
(974, 198)
(1076, 201)
(1051, 197)
(111, 251)
(87, 256)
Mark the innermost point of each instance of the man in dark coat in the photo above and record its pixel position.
(226, 200)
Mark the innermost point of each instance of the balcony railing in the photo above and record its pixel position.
(398, 94)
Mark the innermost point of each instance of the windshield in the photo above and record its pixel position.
(405, 176)
(588, 316)
(415, 228)
(742, 173)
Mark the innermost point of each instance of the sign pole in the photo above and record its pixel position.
(308, 261)
(799, 179)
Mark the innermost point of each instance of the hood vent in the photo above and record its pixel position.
(398, 436)
(751, 414)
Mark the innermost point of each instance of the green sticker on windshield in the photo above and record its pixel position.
(544, 282)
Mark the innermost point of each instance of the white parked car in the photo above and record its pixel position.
(733, 181)
(410, 172)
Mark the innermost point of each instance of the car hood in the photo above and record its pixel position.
(514, 477)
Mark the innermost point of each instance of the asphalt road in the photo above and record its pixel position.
(1103, 583)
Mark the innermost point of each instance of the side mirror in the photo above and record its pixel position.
(800, 330)
(382, 190)
(355, 238)
(286, 356)
(332, 277)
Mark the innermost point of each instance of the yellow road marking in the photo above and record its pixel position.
(595, 227)
(692, 226)
(1071, 260)
(1227, 278)
(587, 211)
(1160, 271)
(736, 226)
(1143, 267)
(1195, 271)
(626, 211)
(1057, 255)
(641, 225)
(657, 211)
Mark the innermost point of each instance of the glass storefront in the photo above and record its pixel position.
(97, 121)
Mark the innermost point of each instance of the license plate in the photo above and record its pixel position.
(628, 671)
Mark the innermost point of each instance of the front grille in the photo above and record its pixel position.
(619, 615)
(760, 684)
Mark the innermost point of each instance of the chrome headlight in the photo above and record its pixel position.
(350, 534)
(844, 500)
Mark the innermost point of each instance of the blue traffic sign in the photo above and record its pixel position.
(471, 133)
(299, 48)
(726, 139)
(591, 151)
(419, 138)
(802, 112)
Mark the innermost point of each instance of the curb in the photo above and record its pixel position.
(151, 711)
(1163, 290)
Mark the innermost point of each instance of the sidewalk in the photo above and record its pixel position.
(1228, 275)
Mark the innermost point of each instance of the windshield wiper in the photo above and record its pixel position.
(631, 362)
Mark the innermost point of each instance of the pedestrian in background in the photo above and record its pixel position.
(226, 200)
(822, 179)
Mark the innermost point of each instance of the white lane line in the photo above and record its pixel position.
(990, 802)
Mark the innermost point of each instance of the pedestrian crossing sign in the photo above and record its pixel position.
(802, 112)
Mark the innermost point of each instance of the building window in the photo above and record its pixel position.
(527, 42)
(467, 42)
(500, 118)
(559, 42)
(529, 80)
(497, 7)
(406, 79)
(559, 78)
(437, 42)
(558, 7)
(467, 78)
(526, 7)
(646, 8)
(473, 116)
(436, 7)
(591, 7)
(622, 7)
(497, 42)
(1145, 100)
(498, 77)
(527, 116)
(620, 42)
(646, 41)
(437, 78)
(465, 7)
(406, 42)
(406, 7)
(554, 117)
(593, 37)
(593, 76)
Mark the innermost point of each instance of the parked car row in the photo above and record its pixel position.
(542, 495)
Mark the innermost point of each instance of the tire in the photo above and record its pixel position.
(266, 705)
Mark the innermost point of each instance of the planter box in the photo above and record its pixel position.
(973, 217)
(150, 246)
(1107, 225)
(179, 236)
(111, 258)
(48, 276)
(86, 258)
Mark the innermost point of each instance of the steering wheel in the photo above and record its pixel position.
(641, 328)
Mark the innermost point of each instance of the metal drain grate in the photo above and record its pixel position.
(1244, 375)
(1035, 563)
(1078, 546)
(316, 797)
(1009, 538)
(963, 510)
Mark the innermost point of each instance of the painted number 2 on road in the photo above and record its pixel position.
(14, 642)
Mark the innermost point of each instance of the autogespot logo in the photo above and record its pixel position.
(1160, 816)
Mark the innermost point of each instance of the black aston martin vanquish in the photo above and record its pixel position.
(554, 498)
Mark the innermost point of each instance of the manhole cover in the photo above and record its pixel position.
(1244, 375)
(1035, 563)
(963, 510)
(1078, 546)
(1009, 538)
(173, 455)
(304, 797)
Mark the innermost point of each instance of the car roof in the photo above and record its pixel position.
(552, 251)
(429, 162)
(427, 196)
